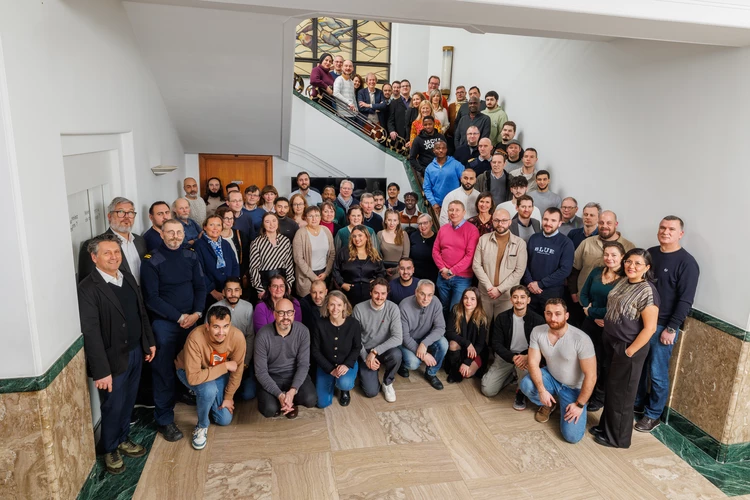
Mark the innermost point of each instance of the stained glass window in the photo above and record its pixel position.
(366, 43)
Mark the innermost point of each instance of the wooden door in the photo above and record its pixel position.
(245, 170)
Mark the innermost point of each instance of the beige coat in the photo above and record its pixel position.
(590, 254)
(302, 250)
(512, 266)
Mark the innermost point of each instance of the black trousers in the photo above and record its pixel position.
(390, 360)
(595, 333)
(623, 376)
(359, 292)
(268, 404)
(117, 406)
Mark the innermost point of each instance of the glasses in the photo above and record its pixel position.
(298, 204)
(286, 314)
(424, 223)
(569, 208)
(637, 265)
(278, 287)
(123, 213)
(500, 221)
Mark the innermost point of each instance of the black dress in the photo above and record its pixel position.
(421, 254)
(359, 273)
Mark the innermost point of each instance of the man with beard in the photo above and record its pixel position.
(421, 153)
(405, 286)
(507, 134)
(524, 224)
(517, 186)
(174, 292)
(310, 303)
(590, 253)
(398, 123)
(470, 150)
(543, 196)
(528, 168)
(483, 162)
(181, 211)
(410, 214)
(379, 199)
(475, 93)
(497, 115)
(343, 91)
(570, 374)
(158, 212)
(550, 261)
(303, 188)
(496, 180)
(515, 152)
(121, 216)
(499, 263)
(197, 204)
(473, 117)
(242, 319)
(287, 226)
(465, 193)
(393, 202)
(388, 92)
(433, 83)
(214, 195)
(441, 176)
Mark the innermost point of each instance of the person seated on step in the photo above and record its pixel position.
(423, 327)
(282, 362)
(466, 331)
(510, 342)
(211, 365)
(570, 374)
(336, 343)
(381, 337)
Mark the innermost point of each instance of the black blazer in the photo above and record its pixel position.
(502, 332)
(363, 95)
(86, 265)
(398, 118)
(105, 333)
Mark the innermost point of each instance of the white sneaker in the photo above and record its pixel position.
(389, 392)
(200, 437)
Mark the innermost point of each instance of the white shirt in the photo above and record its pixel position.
(511, 208)
(109, 279)
(130, 253)
(458, 194)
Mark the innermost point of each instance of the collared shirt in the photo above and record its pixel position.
(545, 234)
(458, 225)
(130, 253)
(109, 279)
(312, 197)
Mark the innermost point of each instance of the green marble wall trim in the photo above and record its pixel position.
(720, 325)
(38, 383)
(723, 453)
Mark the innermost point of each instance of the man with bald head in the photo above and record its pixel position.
(483, 162)
(282, 362)
(197, 204)
(473, 117)
(499, 264)
(181, 212)
(589, 254)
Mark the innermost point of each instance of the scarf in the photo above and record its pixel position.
(346, 204)
(216, 247)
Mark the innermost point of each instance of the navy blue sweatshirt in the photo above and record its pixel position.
(172, 282)
(550, 260)
(676, 281)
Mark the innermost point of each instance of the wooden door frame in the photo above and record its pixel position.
(202, 166)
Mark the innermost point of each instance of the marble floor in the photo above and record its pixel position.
(429, 444)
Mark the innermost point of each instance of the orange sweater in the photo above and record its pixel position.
(204, 360)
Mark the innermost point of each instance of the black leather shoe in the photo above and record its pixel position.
(600, 439)
(345, 398)
(434, 382)
(403, 371)
(594, 406)
(293, 414)
(596, 430)
(187, 398)
(638, 410)
(646, 424)
(170, 432)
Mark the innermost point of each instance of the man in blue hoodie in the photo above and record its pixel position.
(442, 175)
(550, 261)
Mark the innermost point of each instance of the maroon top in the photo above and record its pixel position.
(320, 78)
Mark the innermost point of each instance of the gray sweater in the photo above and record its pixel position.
(381, 330)
(282, 359)
(545, 200)
(421, 325)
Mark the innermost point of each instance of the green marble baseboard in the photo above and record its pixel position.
(720, 325)
(39, 383)
(720, 452)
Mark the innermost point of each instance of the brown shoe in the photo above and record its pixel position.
(132, 450)
(543, 413)
(114, 463)
(292, 414)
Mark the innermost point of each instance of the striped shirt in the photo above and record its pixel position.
(265, 256)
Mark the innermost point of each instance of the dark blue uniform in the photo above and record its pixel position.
(173, 284)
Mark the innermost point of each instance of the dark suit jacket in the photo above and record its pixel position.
(105, 333)
(378, 106)
(215, 278)
(398, 119)
(534, 223)
(502, 332)
(86, 265)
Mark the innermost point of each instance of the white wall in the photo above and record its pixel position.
(72, 67)
(645, 128)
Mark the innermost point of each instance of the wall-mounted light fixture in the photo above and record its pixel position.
(163, 169)
(445, 77)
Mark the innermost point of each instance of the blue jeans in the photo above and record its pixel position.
(657, 370)
(170, 339)
(209, 396)
(450, 291)
(564, 395)
(437, 349)
(325, 382)
(248, 386)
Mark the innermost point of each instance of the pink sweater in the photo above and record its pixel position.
(454, 248)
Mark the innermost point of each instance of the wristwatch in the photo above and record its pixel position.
(579, 405)
(671, 330)
(200, 314)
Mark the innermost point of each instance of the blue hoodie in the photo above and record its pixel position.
(439, 181)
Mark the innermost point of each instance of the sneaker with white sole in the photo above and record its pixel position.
(200, 436)
(389, 392)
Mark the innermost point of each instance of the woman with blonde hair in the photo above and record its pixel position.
(394, 242)
(336, 345)
(425, 109)
(298, 204)
(466, 331)
(438, 111)
(356, 265)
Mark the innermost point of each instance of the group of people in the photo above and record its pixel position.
(290, 299)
